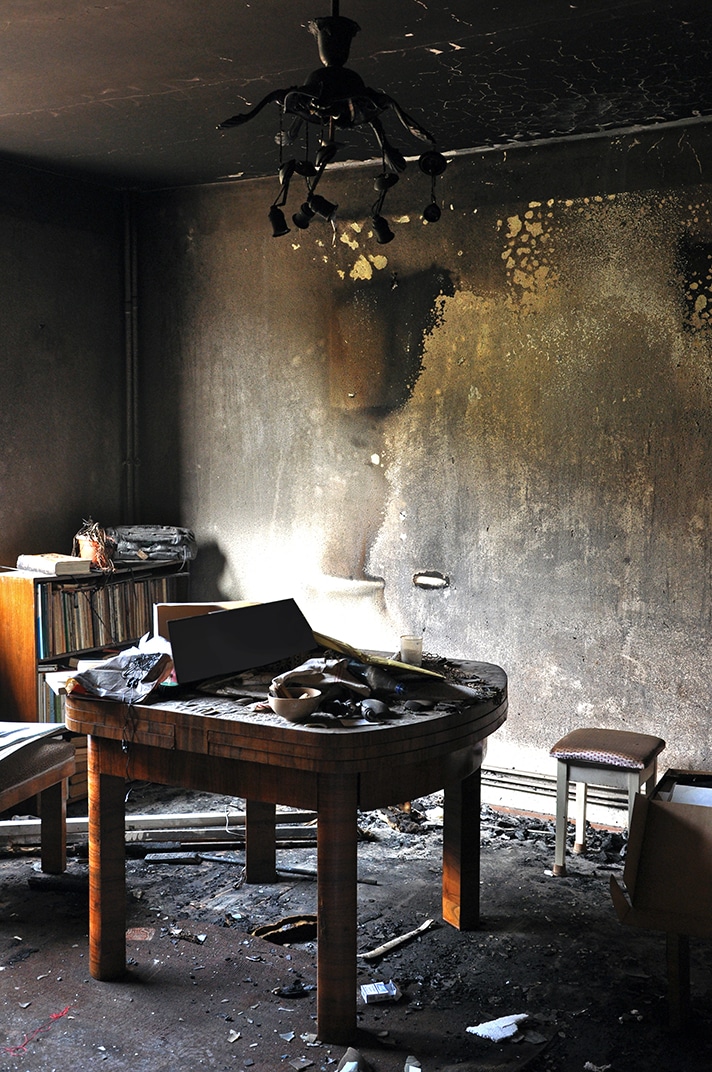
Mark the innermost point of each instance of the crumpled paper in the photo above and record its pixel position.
(319, 674)
(353, 1061)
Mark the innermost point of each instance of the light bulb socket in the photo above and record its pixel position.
(305, 168)
(382, 230)
(279, 223)
(432, 213)
(432, 163)
(321, 207)
(385, 181)
(303, 217)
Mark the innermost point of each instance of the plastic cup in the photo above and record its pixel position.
(411, 649)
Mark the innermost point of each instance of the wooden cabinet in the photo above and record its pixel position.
(45, 621)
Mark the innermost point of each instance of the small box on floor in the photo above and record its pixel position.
(373, 993)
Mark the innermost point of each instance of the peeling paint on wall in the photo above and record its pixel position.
(528, 248)
(695, 265)
(364, 266)
(550, 458)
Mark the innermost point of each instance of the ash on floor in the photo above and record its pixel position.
(203, 992)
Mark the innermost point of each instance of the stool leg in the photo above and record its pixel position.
(562, 809)
(581, 794)
(633, 788)
(652, 779)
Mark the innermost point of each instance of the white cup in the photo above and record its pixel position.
(411, 649)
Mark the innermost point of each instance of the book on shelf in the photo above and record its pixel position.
(53, 564)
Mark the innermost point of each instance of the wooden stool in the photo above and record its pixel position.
(599, 757)
(41, 765)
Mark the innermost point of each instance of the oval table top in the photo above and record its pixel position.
(465, 713)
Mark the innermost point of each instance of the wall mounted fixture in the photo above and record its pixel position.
(336, 98)
(431, 579)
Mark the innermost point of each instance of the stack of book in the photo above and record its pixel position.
(95, 613)
(53, 564)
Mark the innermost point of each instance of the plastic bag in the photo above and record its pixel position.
(129, 677)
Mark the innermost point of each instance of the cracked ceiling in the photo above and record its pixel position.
(129, 93)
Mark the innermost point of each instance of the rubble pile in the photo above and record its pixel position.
(501, 827)
(602, 845)
(498, 828)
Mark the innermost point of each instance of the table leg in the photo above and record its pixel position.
(336, 908)
(107, 868)
(461, 853)
(260, 842)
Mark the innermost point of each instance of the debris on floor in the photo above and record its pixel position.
(394, 943)
(552, 948)
(352, 1061)
(290, 929)
(373, 993)
(504, 1027)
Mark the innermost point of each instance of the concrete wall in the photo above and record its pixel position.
(62, 416)
(516, 399)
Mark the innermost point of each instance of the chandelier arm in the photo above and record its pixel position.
(410, 124)
(392, 156)
(338, 99)
(290, 135)
(313, 181)
(299, 103)
(244, 117)
(285, 177)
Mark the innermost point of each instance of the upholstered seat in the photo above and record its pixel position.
(594, 756)
(36, 759)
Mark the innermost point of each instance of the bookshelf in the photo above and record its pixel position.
(47, 621)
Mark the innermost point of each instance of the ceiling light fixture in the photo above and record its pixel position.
(336, 98)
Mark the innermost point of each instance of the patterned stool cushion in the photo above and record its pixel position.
(609, 748)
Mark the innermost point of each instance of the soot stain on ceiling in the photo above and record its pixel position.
(129, 94)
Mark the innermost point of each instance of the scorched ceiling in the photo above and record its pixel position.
(130, 92)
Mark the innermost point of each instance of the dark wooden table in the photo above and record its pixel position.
(219, 746)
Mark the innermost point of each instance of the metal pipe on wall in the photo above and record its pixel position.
(131, 358)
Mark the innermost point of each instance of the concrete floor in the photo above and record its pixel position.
(201, 990)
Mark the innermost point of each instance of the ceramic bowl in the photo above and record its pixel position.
(298, 705)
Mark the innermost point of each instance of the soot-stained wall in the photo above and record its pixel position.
(62, 419)
(515, 402)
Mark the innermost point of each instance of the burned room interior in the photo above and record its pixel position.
(465, 395)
